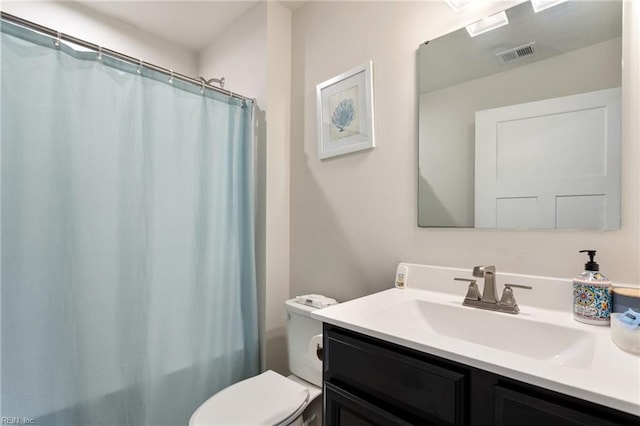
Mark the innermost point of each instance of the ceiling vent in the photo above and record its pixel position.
(517, 53)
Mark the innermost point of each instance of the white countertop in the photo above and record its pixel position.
(607, 376)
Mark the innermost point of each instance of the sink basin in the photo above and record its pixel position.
(505, 332)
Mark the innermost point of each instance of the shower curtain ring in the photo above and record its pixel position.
(58, 39)
(139, 69)
(202, 88)
(171, 76)
(99, 53)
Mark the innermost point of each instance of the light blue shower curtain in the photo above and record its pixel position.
(128, 278)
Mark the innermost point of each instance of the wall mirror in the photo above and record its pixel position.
(519, 127)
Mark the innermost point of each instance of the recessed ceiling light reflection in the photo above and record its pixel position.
(487, 24)
(456, 5)
(540, 5)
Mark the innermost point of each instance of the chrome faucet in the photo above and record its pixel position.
(489, 299)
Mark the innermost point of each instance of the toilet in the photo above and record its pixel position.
(270, 398)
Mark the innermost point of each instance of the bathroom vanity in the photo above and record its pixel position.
(416, 356)
(371, 381)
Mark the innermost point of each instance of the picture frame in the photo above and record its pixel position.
(345, 112)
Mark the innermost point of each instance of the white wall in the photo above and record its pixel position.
(76, 20)
(278, 118)
(353, 218)
(239, 55)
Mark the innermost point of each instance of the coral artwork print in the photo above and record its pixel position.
(343, 107)
(344, 114)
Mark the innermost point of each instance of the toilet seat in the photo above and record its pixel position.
(267, 399)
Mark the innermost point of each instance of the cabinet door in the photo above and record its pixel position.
(418, 388)
(344, 408)
(516, 408)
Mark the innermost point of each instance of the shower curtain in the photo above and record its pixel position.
(128, 278)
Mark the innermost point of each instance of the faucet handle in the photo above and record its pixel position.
(473, 292)
(528, 287)
(507, 295)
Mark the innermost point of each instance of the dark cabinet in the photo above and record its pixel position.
(516, 408)
(344, 408)
(368, 381)
(424, 390)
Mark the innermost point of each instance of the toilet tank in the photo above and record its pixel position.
(301, 330)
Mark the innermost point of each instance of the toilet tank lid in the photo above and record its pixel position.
(266, 399)
(292, 305)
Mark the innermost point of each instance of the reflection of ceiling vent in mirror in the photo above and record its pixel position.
(517, 53)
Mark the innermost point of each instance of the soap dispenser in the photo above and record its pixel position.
(592, 294)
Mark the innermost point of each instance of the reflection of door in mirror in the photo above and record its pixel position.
(519, 185)
(572, 48)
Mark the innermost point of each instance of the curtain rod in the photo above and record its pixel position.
(57, 35)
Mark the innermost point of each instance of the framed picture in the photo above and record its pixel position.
(345, 112)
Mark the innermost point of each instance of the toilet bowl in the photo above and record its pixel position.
(271, 398)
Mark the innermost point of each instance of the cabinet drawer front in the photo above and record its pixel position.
(516, 408)
(422, 389)
(344, 408)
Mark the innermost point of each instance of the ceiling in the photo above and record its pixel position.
(456, 57)
(190, 24)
